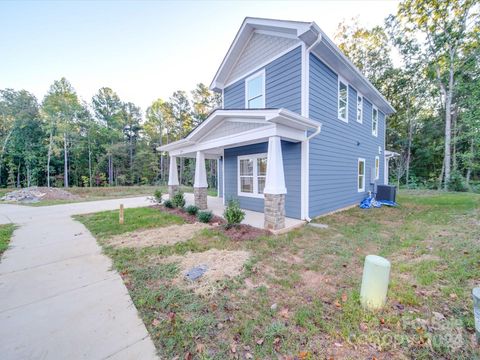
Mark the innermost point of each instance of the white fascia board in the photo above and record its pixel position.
(284, 28)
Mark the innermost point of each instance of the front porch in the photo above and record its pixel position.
(252, 218)
(263, 164)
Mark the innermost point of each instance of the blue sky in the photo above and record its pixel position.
(142, 49)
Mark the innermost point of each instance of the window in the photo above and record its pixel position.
(342, 100)
(255, 91)
(359, 108)
(374, 121)
(361, 175)
(377, 167)
(252, 172)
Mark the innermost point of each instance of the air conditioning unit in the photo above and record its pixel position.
(386, 192)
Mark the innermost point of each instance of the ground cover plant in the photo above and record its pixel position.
(298, 294)
(6, 232)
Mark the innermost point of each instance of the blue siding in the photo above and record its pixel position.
(291, 158)
(283, 81)
(335, 151)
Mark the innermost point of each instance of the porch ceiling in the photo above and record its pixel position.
(231, 128)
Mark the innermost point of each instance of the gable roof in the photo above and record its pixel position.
(311, 35)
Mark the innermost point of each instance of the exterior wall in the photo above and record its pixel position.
(291, 153)
(334, 153)
(283, 81)
(259, 49)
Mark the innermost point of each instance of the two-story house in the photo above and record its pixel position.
(301, 132)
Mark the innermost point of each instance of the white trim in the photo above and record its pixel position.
(200, 180)
(375, 133)
(358, 174)
(304, 81)
(359, 95)
(275, 180)
(304, 179)
(218, 184)
(258, 74)
(343, 81)
(377, 168)
(254, 175)
(223, 176)
(275, 33)
(262, 65)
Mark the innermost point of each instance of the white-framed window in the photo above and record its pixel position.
(361, 175)
(255, 91)
(374, 121)
(252, 171)
(377, 167)
(359, 108)
(342, 100)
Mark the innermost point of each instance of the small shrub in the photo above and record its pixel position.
(233, 214)
(204, 216)
(157, 196)
(192, 209)
(168, 204)
(456, 182)
(178, 199)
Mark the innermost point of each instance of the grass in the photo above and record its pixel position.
(105, 193)
(314, 276)
(6, 232)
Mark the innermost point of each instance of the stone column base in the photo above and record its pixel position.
(200, 196)
(274, 211)
(172, 189)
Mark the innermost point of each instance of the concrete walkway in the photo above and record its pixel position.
(58, 297)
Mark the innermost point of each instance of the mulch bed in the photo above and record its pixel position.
(240, 232)
(191, 219)
(243, 232)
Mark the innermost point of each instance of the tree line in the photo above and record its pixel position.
(434, 85)
(64, 141)
(435, 88)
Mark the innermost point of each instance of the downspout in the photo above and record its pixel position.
(319, 128)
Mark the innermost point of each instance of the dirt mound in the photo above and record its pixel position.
(35, 194)
(220, 265)
(167, 235)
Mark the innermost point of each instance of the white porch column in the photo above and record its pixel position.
(200, 185)
(172, 177)
(275, 190)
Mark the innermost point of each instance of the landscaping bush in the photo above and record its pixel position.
(168, 204)
(204, 216)
(157, 196)
(233, 214)
(456, 182)
(192, 209)
(178, 199)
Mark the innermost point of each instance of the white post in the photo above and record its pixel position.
(200, 185)
(173, 177)
(275, 179)
(275, 190)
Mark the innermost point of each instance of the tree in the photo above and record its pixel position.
(108, 108)
(204, 102)
(443, 26)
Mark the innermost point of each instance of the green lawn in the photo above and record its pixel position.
(6, 232)
(314, 276)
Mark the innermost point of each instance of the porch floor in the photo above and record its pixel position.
(253, 218)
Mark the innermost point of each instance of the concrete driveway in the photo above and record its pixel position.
(59, 298)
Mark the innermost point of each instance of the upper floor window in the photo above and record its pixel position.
(255, 91)
(374, 121)
(359, 108)
(342, 100)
